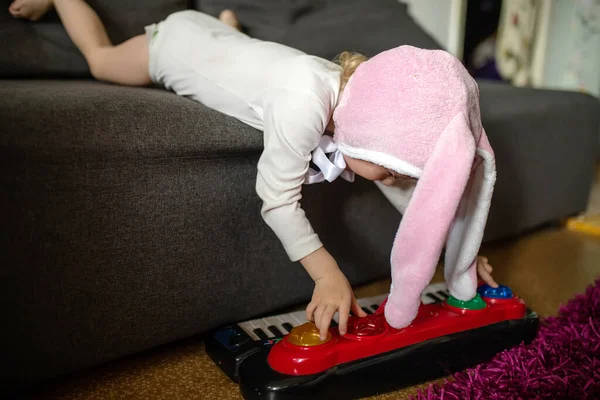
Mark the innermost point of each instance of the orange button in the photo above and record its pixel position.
(306, 335)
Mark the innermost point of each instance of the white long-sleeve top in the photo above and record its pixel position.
(286, 93)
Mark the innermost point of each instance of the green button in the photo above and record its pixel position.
(476, 303)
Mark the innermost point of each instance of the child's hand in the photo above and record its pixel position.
(332, 293)
(484, 270)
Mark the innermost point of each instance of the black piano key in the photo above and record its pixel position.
(275, 331)
(287, 326)
(432, 297)
(374, 306)
(365, 309)
(259, 332)
(444, 295)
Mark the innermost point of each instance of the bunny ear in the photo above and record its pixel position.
(428, 219)
(467, 230)
(399, 194)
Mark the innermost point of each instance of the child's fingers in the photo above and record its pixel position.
(485, 271)
(483, 261)
(318, 314)
(487, 278)
(15, 8)
(344, 312)
(310, 310)
(15, 12)
(357, 309)
(326, 320)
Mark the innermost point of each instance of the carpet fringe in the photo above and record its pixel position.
(562, 362)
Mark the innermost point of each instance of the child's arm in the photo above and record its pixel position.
(332, 293)
(293, 125)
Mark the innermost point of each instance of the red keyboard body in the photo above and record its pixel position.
(371, 335)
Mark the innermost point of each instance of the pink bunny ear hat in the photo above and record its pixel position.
(416, 112)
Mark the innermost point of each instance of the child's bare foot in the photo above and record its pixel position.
(30, 9)
(228, 17)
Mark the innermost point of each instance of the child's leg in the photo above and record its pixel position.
(125, 64)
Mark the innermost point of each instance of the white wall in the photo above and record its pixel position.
(569, 52)
(444, 20)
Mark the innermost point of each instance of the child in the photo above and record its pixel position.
(295, 99)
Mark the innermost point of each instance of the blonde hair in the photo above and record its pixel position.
(349, 61)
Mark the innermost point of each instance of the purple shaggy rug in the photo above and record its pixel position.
(563, 361)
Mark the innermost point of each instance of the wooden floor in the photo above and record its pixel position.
(546, 268)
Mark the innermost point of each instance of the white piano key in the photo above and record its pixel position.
(336, 317)
(249, 329)
(275, 321)
(433, 289)
(281, 319)
(297, 318)
(378, 299)
(365, 303)
(369, 302)
(426, 299)
(262, 325)
(284, 319)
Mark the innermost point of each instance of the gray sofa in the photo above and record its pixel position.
(129, 215)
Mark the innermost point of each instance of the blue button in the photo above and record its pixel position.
(501, 292)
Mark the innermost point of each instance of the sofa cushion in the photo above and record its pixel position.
(134, 123)
(326, 27)
(43, 49)
(544, 142)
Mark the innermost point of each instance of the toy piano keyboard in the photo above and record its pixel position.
(282, 357)
(232, 344)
